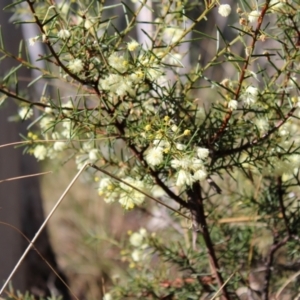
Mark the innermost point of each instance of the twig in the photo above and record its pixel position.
(25, 176)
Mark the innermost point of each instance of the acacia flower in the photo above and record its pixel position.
(93, 155)
(59, 146)
(107, 296)
(174, 128)
(202, 153)
(40, 152)
(64, 34)
(253, 16)
(107, 189)
(131, 46)
(233, 104)
(137, 238)
(276, 5)
(25, 112)
(130, 197)
(154, 156)
(184, 178)
(33, 40)
(250, 95)
(76, 65)
(118, 62)
(200, 175)
(183, 163)
(224, 10)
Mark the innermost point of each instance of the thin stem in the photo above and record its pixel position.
(42, 257)
(41, 229)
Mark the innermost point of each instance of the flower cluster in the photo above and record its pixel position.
(190, 168)
(139, 241)
(126, 194)
(250, 95)
(224, 10)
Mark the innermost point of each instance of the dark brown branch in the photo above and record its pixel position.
(196, 200)
(280, 194)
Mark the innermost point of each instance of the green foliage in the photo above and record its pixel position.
(214, 137)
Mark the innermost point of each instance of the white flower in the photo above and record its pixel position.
(40, 152)
(46, 122)
(131, 197)
(202, 152)
(107, 189)
(196, 164)
(59, 146)
(126, 202)
(64, 34)
(154, 72)
(233, 104)
(200, 175)
(118, 62)
(276, 5)
(250, 95)
(180, 146)
(174, 128)
(33, 40)
(121, 85)
(262, 125)
(184, 163)
(184, 178)
(161, 143)
(154, 156)
(132, 45)
(93, 154)
(88, 24)
(224, 10)
(76, 65)
(25, 112)
(136, 239)
(48, 110)
(107, 296)
(253, 16)
(137, 255)
(137, 76)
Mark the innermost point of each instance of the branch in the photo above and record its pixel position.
(195, 198)
(280, 194)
